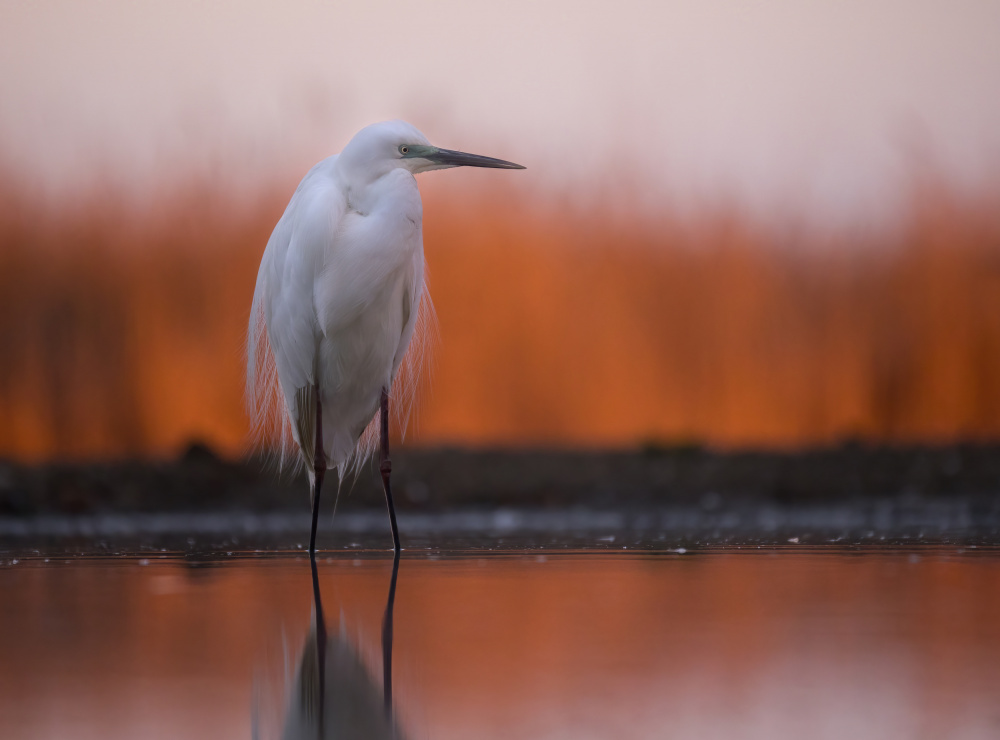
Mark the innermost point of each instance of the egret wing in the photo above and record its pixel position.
(283, 317)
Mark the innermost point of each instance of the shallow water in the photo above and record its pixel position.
(819, 643)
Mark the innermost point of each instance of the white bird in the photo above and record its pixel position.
(338, 292)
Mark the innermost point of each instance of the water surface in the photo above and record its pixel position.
(876, 643)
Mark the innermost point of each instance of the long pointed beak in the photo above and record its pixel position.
(451, 158)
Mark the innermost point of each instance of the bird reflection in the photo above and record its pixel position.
(334, 695)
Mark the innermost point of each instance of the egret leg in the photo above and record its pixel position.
(319, 469)
(385, 466)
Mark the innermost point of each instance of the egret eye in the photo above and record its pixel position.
(404, 149)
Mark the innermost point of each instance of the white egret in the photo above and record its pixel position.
(337, 299)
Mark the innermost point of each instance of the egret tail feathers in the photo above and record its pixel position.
(270, 427)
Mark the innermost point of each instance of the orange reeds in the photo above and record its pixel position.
(121, 331)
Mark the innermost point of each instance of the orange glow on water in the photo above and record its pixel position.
(121, 333)
(705, 645)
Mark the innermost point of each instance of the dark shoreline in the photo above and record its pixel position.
(431, 480)
(681, 499)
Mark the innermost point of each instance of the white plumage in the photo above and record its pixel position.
(339, 294)
(338, 291)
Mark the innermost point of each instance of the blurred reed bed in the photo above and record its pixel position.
(121, 328)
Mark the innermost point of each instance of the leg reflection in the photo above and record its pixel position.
(334, 695)
(390, 604)
(319, 630)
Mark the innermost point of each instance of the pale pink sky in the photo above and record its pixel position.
(811, 107)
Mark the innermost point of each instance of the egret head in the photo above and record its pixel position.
(397, 144)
